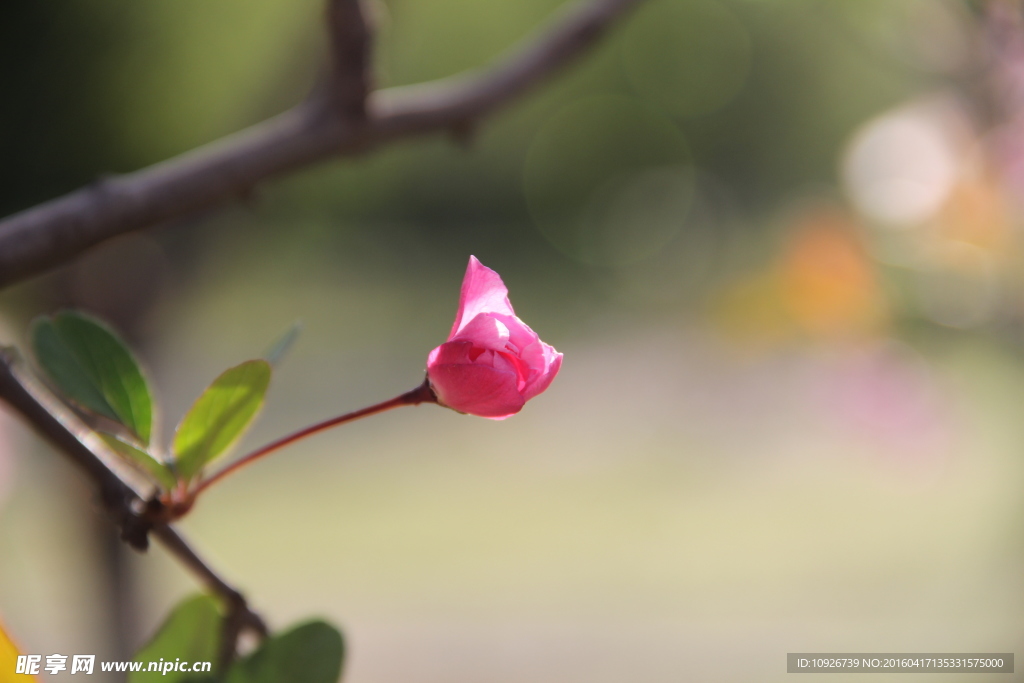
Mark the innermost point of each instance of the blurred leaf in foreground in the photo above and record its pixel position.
(191, 633)
(309, 653)
(283, 344)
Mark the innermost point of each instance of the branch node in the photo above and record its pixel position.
(464, 133)
(351, 44)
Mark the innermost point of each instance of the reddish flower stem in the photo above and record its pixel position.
(421, 394)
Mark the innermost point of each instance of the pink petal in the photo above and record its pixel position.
(482, 292)
(486, 332)
(488, 388)
(519, 333)
(552, 364)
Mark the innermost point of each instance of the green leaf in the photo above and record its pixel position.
(218, 417)
(283, 344)
(65, 371)
(191, 633)
(143, 461)
(94, 368)
(310, 653)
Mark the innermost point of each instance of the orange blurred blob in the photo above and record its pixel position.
(9, 660)
(976, 213)
(822, 284)
(826, 279)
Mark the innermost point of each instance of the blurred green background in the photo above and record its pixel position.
(778, 242)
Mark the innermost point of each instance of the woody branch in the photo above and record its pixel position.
(341, 118)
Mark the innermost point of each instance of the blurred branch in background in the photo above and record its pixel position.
(327, 124)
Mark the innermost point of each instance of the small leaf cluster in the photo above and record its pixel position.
(95, 372)
(311, 652)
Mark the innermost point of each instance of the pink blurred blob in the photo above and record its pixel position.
(492, 363)
(887, 396)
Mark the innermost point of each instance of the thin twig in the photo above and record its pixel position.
(239, 617)
(47, 235)
(71, 436)
(421, 394)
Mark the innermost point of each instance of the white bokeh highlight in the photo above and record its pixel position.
(900, 167)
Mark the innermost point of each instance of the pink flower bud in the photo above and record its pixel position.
(492, 363)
